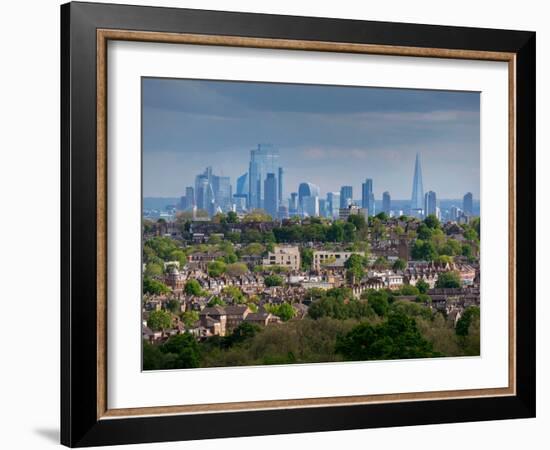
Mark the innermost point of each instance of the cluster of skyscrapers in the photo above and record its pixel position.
(262, 187)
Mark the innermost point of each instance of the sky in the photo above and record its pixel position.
(327, 135)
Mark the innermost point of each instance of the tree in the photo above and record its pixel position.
(306, 255)
(448, 280)
(349, 232)
(424, 232)
(354, 266)
(284, 311)
(153, 358)
(257, 215)
(216, 268)
(234, 292)
(253, 249)
(382, 216)
(232, 217)
(159, 320)
(407, 289)
(423, 250)
(335, 232)
(422, 286)
(189, 318)
(216, 301)
(192, 287)
(244, 332)
(378, 301)
(153, 269)
(154, 287)
(396, 338)
(358, 220)
(432, 222)
(186, 349)
(463, 324)
(273, 280)
(399, 264)
(236, 269)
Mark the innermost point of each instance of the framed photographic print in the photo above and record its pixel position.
(276, 224)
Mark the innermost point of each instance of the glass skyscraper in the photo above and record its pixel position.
(307, 190)
(263, 160)
(386, 202)
(346, 196)
(417, 198)
(468, 204)
(367, 197)
(271, 204)
(430, 203)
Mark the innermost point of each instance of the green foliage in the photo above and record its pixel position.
(399, 264)
(173, 306)
(422, 286)
(257, 215)
(424, 250)
(407, 289)
(306, 256)
(396, 338)
(284, 311)
(159, 320)
(253, 249)
(449, 279)
(216, 301)
(189, 318)
(236, 269)
(244, 332)
(216, 268)
(192, 287)
(382, 216)
(186, 351)
(338, 303)
(378, 301)
(432, 222)
(468, 317)
(424, 232)
(154, 287)
(235, 293)
(451, 248)
(153, 269)
(273, 280)
(358, 220)
(232, 217)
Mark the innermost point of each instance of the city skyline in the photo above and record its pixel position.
(394, 124)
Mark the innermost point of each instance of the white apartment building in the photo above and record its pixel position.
(331, 258)
(285, 256)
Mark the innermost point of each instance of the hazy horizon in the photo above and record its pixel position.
(327, 135)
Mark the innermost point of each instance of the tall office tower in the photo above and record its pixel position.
(190, 195)
(468, 204)
(430, 204)
(241, 196)
(455, 213)
(271, 204)
(323, 207)
(222, 192)
(280, 181)
(333, 204)
(306, 190)
(283, 212)
(263, 160)
(293, 203)
(204, 192)
(310, 205)
(386, 202)
(346, 196)
(417, 198)
(367, 197)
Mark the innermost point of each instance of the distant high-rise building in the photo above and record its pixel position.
(271, 204)
(468, 204)
(204, 191)
(386, 202)
(283, 212)
(430, 203)
(367, 197)
(306, 190)
(222, 192)
(310, 206)
(346, 196)
(263, 160)
(455, 213)
(323, 207)
(241, 196)
(293, 203)
(190, 195)
(280, 185)
(333, 204)
(417, 198)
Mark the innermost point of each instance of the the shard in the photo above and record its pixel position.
(417, 198)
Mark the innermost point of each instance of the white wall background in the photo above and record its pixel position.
(29, 223)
